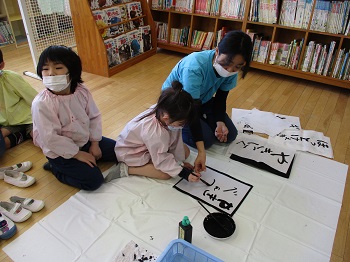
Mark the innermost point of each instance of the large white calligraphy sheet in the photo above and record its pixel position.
(261, 152)
(225, 193)
(305, 140)
(263, 122)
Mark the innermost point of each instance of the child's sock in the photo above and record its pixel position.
(16, 138)
(116, 171)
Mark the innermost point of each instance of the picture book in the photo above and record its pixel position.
(95, 4)
(146, 38)
(101, 21)
(100, 18)
(113, 17)
(123, 47)
(134, 10)
(134, 39)
(124, 17)
(112, 52)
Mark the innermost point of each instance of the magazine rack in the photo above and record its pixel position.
(273, 32)
(90, 44)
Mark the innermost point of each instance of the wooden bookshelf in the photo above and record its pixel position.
(10, 13)
(90, 44)
(273, 32)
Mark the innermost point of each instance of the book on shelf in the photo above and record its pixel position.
(307, 13)
(95, 4)
(289, 53)
(112, 52)
(320, 16)
(146, 38)
(338, 62)
(343, 73)
(134, 40)
(198, 38)
(184, 6)
(315, 58)
(100, 18)
(329, 59)
(113, 16)
(123, 46)
(299, 14)
(162, 31)
(287, 14)
(220, 34)
(134, 10)
(256, 47)
(263, 51)
(346, 19)
(276, 52)
(284, 55)
(346, 75)
(322, 60)
(308, 55)
(208, 41)
(251, 34)
(203, 7)
(6, 33)
(233, 9)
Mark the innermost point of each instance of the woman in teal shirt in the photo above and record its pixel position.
(209, 76)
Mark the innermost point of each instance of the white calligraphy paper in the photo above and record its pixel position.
(225, 193)
(134, 252)
(263, 122)
(305, 140)
(261, 152)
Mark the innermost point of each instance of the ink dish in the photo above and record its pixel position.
(219, 225)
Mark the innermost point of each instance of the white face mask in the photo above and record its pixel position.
(175, 128)
(56, 83)
(222, 71)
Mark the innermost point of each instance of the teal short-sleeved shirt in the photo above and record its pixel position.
(197, 75)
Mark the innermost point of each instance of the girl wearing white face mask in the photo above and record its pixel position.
(67, 123)
(151, 143)
(209, 76)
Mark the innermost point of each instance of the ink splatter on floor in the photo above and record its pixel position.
(133, 252)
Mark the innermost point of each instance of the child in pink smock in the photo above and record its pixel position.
(67, 123)
(151, 144)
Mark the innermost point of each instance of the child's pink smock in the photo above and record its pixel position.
(142, 141)
(62, 124)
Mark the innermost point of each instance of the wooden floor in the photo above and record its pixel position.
(320, 107)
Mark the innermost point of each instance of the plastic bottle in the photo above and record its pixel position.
(185, 229)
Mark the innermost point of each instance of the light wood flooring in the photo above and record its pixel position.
(320, 107)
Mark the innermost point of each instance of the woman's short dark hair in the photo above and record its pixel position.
(237, 43)
(66, 56)
(176, 102)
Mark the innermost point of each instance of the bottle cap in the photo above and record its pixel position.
(186, 221)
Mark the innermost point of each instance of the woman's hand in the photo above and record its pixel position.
(86, 158)
(221, 131)
(199, 163)
(95, 150)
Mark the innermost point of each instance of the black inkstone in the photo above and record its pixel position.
(219, 225)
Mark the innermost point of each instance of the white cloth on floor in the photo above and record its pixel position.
(281, 219)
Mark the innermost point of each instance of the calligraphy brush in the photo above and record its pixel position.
(204, 182)
(211, 215)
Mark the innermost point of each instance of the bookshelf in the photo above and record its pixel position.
(11, 24)
(273, 29)
(90, 43)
